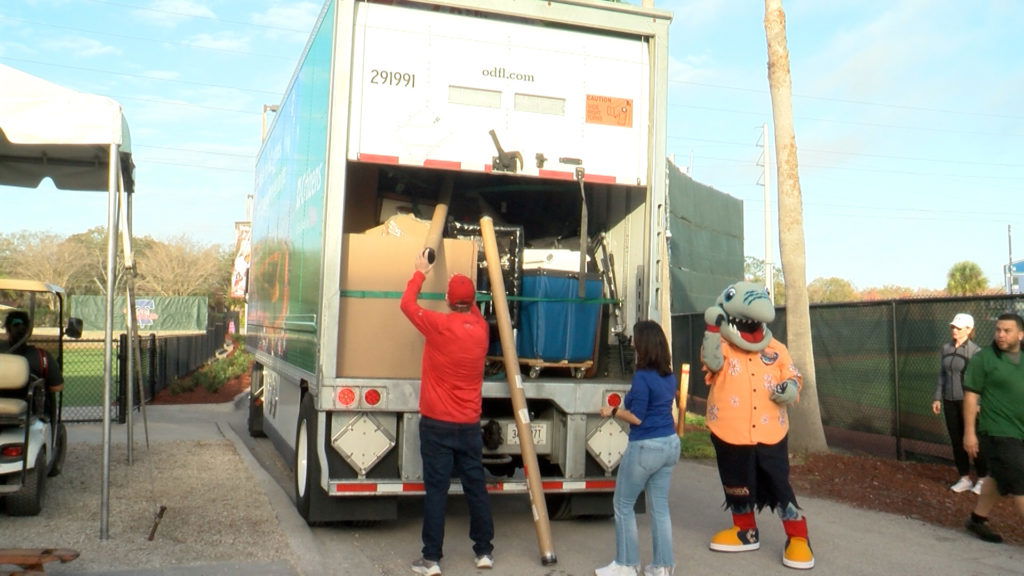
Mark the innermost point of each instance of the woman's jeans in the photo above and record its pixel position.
(646, 467)
(448, 448)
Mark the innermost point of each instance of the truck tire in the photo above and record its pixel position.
(307, 465)
(29, 500)
(255, 420)
(60, 450)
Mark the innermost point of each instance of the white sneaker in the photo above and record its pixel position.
(962, 485)
(616, 569)
(485, 562)
(651, 570)
(977, 486)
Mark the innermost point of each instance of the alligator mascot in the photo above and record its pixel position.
(751, 379)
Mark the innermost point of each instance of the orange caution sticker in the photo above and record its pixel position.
(609, 111)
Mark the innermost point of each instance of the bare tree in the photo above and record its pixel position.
(831, 289)
(182, 267)
(44, 257)
(808, 434)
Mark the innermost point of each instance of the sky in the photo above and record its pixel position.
(909, 118)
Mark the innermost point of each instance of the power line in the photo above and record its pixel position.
(140, 76)
(199, 16)
(850, 101)
(145, 39)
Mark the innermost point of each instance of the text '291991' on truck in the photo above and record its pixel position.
(546, 116)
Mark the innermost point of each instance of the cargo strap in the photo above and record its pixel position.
(391, 294)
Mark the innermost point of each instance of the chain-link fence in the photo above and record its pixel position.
(160, 361)
(877, 365)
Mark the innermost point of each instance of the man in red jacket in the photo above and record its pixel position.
(450, 399)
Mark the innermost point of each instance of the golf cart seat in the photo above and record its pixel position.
(18, 390)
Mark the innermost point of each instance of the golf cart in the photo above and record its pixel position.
(33, 439)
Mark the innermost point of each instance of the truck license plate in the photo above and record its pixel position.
(538, 429)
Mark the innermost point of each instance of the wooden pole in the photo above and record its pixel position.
(436, 231)
(515, 389)
(684, 391)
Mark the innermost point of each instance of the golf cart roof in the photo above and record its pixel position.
(29, 286)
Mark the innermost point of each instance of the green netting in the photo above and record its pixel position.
(154, 314)
(876, 363)
(706, 247)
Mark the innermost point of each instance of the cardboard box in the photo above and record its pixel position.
(375, 340)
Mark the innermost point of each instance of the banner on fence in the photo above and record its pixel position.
(154, 314)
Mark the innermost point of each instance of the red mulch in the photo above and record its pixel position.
(917, 490)
(226, 393)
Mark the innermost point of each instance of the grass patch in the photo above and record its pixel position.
(696, 441)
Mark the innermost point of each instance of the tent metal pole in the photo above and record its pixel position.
(113, 181)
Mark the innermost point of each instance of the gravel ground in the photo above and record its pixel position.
(212, 515)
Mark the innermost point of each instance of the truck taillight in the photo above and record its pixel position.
(12, 451)
(371, 397)
(613, 399)
(346, 397)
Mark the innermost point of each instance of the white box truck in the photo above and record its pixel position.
(547, 116)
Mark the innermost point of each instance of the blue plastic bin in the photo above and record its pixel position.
(562, 329)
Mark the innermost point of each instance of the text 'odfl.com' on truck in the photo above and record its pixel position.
(546, 116)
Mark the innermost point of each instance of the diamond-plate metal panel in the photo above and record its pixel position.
(363, 442)
(607, 443)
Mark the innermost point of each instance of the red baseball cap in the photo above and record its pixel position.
(461, 290)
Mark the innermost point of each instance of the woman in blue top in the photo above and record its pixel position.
(651, 454)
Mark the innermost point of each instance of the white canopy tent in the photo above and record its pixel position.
(80, 142)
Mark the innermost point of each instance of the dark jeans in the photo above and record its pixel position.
(448, 448)
(953, 410)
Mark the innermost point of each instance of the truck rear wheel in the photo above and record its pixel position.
(313, 504)
(29, 500)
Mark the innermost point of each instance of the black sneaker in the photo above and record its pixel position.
(982, 530)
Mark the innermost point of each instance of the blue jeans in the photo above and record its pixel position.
(447, 448)
(646, 467)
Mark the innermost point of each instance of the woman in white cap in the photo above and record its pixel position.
(949, 399)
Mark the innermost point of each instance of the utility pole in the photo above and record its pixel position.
(1009, 262)
(765, 163)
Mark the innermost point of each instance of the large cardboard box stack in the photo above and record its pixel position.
(375, 340)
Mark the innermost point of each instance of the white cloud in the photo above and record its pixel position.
(169, 13)
(287, 18)
(79, 47)
(221, 41)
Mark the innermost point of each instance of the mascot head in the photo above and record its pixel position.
(748, 310)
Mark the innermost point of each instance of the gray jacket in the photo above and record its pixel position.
(954, 361)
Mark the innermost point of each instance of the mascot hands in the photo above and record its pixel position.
(711, 348)
(715, 316)
(785, 392)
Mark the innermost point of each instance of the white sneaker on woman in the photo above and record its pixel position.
(616, 569)
(962, 485)
(977, 486)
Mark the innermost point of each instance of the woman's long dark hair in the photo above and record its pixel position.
(651, 348)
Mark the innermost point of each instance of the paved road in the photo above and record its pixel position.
(847, 541)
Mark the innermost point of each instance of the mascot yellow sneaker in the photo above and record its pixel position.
(743, 535)
(798, 552)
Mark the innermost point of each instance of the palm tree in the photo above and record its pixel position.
(807, 435)
(965, 279)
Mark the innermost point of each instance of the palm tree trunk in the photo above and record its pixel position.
(807, 433)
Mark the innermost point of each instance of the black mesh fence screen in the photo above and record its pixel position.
(160, 360)
(876, 366)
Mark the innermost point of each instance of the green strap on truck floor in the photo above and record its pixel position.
(394, 295)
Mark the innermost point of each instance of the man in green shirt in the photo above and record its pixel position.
(995, 379)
